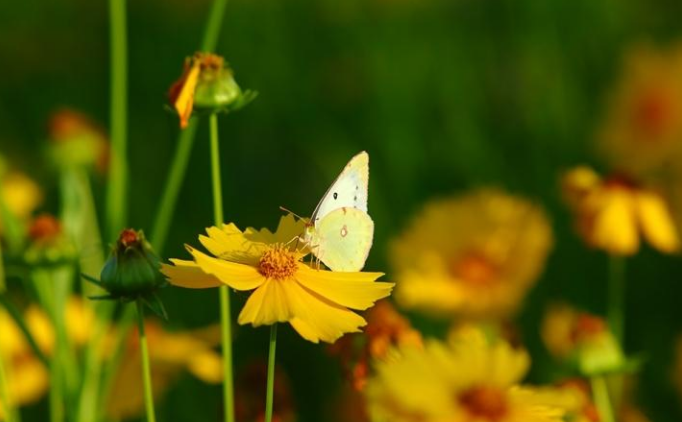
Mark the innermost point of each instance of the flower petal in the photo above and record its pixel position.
(656, 222)
(316, 318)
(267, 305)
(188, 274)
(237, 276)
(229, 243)
(353, 290)
(615, 227)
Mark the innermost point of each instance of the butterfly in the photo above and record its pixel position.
(340, 232)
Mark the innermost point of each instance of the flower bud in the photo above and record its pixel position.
(48, 245)
(132, 269)
(208, 85)
(76, 141)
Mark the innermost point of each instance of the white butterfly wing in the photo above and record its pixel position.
(349, 190)
(343, 239)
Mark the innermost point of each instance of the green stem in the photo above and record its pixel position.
(616, 297)
(146, 370)
(215, 21)
(164, 214)
(6, 406)
(270, 392)
(600, 392)
(19, 321)
(116, 215)
(56, 399)
(225, 320)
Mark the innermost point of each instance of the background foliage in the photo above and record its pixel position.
(445, 95)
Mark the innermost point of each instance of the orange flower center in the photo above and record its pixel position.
(654, 113)
(587, 326)
(475, 269)
(486, 403)
(278, 263)
(45, 228)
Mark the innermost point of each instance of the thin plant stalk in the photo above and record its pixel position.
(116, 207)
(164, 214)
(146, 369)
(270, 392)
(616, 297)
(225, 320)
(602, 400)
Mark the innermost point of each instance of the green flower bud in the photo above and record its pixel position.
(132, 270)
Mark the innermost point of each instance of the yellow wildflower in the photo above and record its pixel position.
(313, 301)
(20, 194)
(612, 214)
(642, 128)
(27, 377)
(474, 256)
(467, 380)
(170, 353)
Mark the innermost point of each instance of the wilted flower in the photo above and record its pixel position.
(76, 141)
(582, 339)
(171, 353)
(313, 301)
(467, 380)
(474, 256)
(207, 83)
(386, 329)
(642, 128)
(612, 214)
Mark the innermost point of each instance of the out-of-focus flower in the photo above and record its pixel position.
(468, 379)
(642, 128)
(249, 403)
(582, 339)
(76, 141)
(207, 83)
(474, 256)
(386, 329)
(27, 377)
(78, 318)
(20, 194)
(170, 354)
(48, 244)
(612, 214)
(315, 302)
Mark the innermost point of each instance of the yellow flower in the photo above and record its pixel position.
(612, 214)
(466, 380)
(313, 301)
(170, 354)
(642, 127)
(27, 377)
(474, 256)
(20, 194)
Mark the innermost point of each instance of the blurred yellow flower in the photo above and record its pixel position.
(642, 126)
(170, 354)
(612, 214)
(474, 256)
(20, 194)
(467, 380)
(27, 377)
(313, 301)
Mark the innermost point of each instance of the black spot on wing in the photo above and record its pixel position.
(336, 195)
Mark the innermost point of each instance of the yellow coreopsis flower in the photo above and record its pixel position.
(474, 256)
(467, 380)
(642, 127)
(315, 302)
(614, 213)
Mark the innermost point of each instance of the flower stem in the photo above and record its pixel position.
(270, 392)
(616, 298)
(225, 320)
(164, 214)
(118, 177)
(215, 21)
(601, 398)
(146, 370)
(5, 403)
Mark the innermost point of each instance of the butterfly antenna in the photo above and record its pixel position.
(291, 212)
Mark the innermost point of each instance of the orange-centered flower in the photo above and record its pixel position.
(315, 302)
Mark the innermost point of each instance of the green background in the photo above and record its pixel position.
(445, 95)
